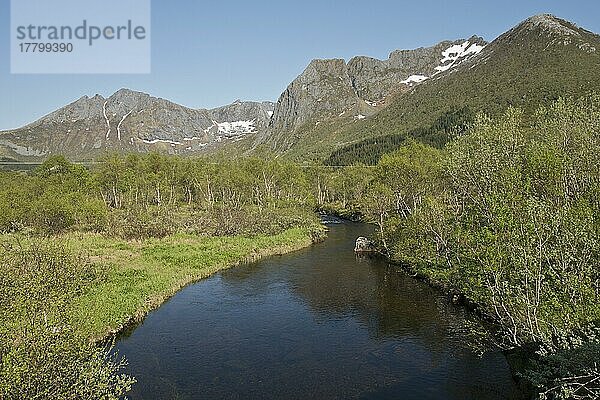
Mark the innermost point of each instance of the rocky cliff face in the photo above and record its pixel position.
(329, 89)
(241, 118)
(325, 87)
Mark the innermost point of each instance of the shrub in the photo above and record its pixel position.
(41, 355)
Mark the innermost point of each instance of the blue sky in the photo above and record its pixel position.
(210, 53)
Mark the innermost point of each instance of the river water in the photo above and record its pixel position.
(318, 323)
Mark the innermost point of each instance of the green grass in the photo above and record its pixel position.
(134, 277)
(142, 275)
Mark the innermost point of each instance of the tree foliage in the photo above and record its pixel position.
(137, 196)
(508, 214)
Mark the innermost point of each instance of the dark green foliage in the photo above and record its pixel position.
(369, 151)
(568, 367)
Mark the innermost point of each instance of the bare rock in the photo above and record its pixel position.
(363, 245)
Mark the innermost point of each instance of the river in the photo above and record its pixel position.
(318, 323)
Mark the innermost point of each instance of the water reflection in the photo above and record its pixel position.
(318, 323)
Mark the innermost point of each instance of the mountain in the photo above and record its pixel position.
(337, 110)
(133, 121)
(327, 90)
(333, 89)
(541, 59)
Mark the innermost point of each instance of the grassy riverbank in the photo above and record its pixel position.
(139, 276)
(61, 293)
(123, 280)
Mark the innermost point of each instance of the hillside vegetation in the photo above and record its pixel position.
(369, 151)
(508, 215)
(537, 62)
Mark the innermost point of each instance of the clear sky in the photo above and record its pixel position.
(210, 53)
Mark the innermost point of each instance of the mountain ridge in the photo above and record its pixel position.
(130, 120)
(333, 102)
(534, 63)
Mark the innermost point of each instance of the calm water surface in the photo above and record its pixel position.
(314, 324)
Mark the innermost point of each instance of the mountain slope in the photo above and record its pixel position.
(132, 121)
(539, 60)
(333, 90)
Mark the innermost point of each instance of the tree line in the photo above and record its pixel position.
(153, 195)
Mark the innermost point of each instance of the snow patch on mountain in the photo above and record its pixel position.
(236, 127)
(155, 141)
(455, 53)
(414, 79)
(451, 57)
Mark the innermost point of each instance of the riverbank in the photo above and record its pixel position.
(124, 280)
(143, 275)
(62, 295)
(321, 320)
(519, 360)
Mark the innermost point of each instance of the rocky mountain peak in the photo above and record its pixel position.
(326, 65)
(126, 100)
(128, 93)
(550, 24)
(543, 31)
(324, 87)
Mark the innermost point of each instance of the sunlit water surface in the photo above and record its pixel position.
(318, 323)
